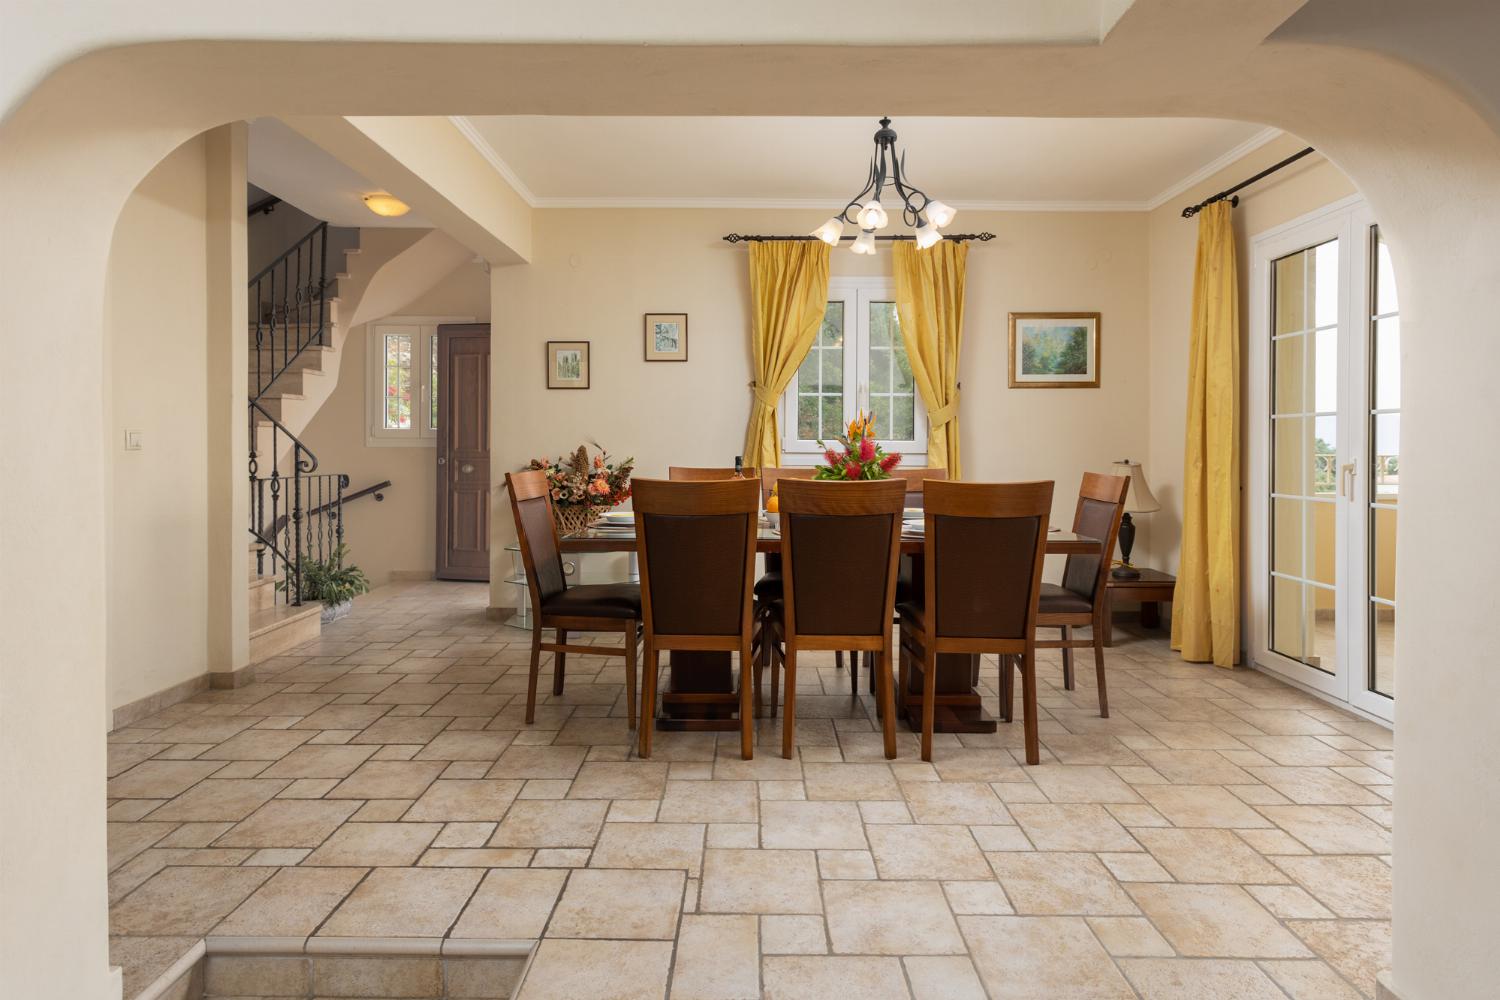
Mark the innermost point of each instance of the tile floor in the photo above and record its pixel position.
(1222, 835)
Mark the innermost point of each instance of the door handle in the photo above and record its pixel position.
(442, 460)
(1347, 472)
(466, 468)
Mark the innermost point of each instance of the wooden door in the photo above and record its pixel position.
(463, 452)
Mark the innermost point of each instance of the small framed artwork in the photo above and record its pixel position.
(567, 364)
(1054, 350)
(666, 336)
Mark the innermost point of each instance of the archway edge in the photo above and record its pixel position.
(73, 150)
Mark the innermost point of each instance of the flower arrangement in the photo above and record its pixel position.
(583, 487)
(861, 458)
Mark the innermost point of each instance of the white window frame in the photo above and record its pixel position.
(856, 293)
(424, 330)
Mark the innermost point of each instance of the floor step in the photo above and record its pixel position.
(262, 591)
(278, 629)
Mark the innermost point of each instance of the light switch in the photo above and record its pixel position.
(133, 440)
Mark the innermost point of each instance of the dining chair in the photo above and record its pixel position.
(696, 546)
(770, 585)
(982, 577)
(917, 480)
(1079, 600)
(840, 543)
(595, 607)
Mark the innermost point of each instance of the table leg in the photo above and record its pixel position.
(1150, 614)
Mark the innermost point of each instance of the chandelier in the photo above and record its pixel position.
(865, 210)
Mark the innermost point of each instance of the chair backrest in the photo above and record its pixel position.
(699, 474)
(985, 546)
(696, 543)
(840, 543)
(769, 477)
(1101, 506)
(536, 528)
(916, 482)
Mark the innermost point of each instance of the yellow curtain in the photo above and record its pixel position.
(1206, 606)
(930, 302)
(789, 294)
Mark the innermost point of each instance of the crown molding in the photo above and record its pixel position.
(482, 145)
(1212, 167)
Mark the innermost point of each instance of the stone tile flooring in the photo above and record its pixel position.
(1222, 835)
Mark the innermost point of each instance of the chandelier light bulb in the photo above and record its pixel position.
(830, 232)
(939, 214)
(927, 235)
(865, 243)
(873, 216)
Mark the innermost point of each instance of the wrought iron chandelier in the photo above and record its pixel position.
(924, 215)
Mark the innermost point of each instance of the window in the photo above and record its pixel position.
(403, 383)
(858, 362)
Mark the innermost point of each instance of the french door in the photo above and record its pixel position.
(1324, 464)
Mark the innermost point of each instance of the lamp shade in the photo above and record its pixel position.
(1140, 499)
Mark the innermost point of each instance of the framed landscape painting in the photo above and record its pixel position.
(666, 336)
(1054, 350)
(567, 364)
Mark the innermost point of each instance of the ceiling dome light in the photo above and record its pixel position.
(865, 243)
(927, 235)
(830, 232)
(873, 216)
(385, 205)
(939, 214)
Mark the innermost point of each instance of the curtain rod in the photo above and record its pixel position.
(746, 238)
(1192, 210)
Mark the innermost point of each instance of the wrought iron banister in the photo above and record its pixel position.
(288, 309)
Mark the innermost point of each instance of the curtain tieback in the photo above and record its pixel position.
(765, 397)
(940, 416)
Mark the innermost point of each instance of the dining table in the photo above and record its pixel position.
(689, 702)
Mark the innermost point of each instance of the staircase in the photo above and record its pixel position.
(296, 511)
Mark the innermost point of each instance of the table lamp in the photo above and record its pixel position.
(1138, 500)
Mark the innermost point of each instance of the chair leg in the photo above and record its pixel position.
(1067, 635)
(747, 707)
(903, 677)
(789, 717)
(838, 659)
(854, 673)
(1028, 706)
(632, 636)
(881, 671)
(559, 663)
(536, 667)
(1007, 686)
(1099, 671)
(929, 702)
(648, 698)
(773, 657)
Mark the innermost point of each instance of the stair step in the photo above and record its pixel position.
(275, 630)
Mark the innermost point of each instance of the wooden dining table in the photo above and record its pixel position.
(696, 674)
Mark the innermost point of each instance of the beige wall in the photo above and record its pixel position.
(595, 273)
(398, 534)
(1172, 245)
(157, 348)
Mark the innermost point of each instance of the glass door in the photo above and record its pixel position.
(1324, 457)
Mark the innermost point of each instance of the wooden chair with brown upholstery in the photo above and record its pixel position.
(598, 607)
(1079, 600)
(840, 543)
(982, 576)
(696, 547)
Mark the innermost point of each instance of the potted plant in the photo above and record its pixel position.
(583, 488)
(332, 582)
(858, 455)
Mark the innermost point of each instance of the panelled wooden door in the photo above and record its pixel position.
(463, 452)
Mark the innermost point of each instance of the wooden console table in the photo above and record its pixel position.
(1150, 589)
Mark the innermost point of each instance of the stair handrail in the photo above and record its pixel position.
(297, 295)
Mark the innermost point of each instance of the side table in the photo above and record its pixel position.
(1149, 589)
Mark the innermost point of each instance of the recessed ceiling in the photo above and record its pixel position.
(1059, 163)
(302, 174)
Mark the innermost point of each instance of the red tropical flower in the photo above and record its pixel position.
(831, 456)
(890, 461)
(866, 449)
(852, 470)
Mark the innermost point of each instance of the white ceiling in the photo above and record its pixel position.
(1004, 163)
(302, 174)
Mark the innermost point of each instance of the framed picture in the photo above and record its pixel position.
(1054, 350)
(666, 336)
(567, 364)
